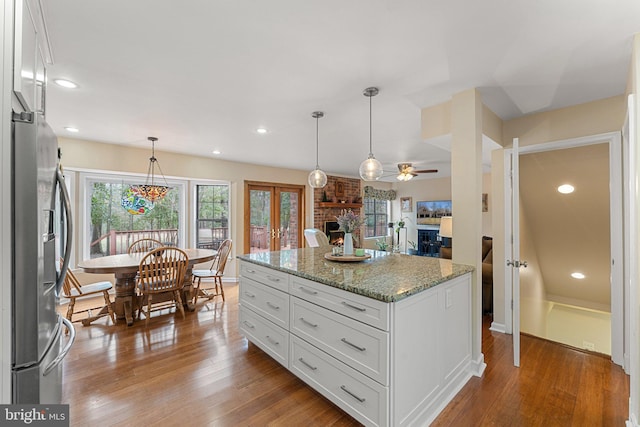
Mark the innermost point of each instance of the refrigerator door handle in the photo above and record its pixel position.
(68, 234)
(65, 350)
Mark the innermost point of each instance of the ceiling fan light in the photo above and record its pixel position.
(371, 169)
(317, 178)
(404, 176)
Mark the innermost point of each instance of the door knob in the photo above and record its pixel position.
(517, 263)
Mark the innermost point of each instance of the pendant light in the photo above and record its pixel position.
(150, 190)
(370, 169)
(317, 178)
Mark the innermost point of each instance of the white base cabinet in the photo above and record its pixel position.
(385, 364)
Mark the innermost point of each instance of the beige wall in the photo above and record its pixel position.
(81, 154)
(593, 118)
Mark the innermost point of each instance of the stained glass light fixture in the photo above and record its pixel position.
(370, 169)
(150, 190)
(317, 177)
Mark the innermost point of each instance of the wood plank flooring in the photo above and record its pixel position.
(201, 372)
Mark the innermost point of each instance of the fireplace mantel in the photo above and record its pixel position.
(339, 205)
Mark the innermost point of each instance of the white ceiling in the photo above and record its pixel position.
(203, 75)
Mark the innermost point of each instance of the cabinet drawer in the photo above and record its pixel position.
(360, 346)
(268, 276)
(272, 339)
(268, 302)
(359, 396)
(367, 310)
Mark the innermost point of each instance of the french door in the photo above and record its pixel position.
(273, 216)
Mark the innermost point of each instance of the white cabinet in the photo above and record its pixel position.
(29, 69)
(385, 364)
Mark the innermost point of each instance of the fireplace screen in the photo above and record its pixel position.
(335, 236)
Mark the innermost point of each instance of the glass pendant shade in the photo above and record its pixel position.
(371, 169)
(317, 178)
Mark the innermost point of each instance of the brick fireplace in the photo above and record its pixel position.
(339, 194)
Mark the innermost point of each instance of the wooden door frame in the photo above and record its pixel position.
(276, 187)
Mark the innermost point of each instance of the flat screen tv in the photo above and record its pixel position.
(430, 212)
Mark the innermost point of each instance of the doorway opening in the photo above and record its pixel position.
(565, 294)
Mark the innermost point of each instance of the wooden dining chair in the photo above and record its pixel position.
(161, 273)
(143, 246)
(215, 272)
(73, 290)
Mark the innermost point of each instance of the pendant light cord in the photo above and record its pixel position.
(317, 136)
(370, 129)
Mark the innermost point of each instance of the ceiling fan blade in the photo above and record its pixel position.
(426, 171)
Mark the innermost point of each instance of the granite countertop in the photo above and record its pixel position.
(385, 276)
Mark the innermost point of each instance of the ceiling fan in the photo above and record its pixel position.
(406, 171)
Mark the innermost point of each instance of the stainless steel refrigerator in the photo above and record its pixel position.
(42, 232)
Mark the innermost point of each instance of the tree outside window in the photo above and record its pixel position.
(376, 217)
(113, 229)
(212, 215)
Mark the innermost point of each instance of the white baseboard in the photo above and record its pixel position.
(497, 327)
(478, 366)
(632, 421)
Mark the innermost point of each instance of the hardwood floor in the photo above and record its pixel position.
(200, 371)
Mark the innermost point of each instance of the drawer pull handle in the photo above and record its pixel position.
(346, 390)
(273, 279)
(275, 307)
(272, 341)
(250, 271)
(248, 324)
(249, 294)
(313, 368)
(357, 347)
(353, 306)
(313, 325)
(307, 291)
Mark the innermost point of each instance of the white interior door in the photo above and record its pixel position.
(513, 262)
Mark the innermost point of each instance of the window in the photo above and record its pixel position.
(109, 228)
(212, 214)
(376, 214)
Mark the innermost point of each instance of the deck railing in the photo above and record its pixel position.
(117, 242)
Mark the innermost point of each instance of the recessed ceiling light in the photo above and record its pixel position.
(72, 129)
(577, 275)
(262, 131)
(216, 152)
(65, 83)
(566, 189)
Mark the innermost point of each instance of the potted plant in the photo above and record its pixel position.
(413, 248)
(382, 244)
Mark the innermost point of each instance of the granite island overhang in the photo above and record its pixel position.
(386, 276)
(387, 339)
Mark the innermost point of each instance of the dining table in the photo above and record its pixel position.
(125, 268)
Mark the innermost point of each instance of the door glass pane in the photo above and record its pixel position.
(260, 222)
(289, 206)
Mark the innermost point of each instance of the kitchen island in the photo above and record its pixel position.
(387, 339)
